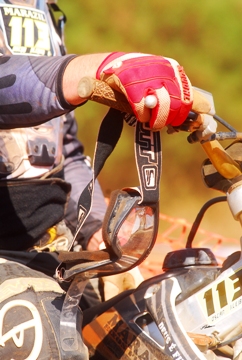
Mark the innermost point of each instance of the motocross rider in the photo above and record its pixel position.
(39, 85)
(40, 149)
(53, 144)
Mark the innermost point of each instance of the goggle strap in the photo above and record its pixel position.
(108, 136)
(148, 157)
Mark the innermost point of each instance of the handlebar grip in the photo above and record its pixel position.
(101, 92)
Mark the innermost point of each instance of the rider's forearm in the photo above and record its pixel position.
(36, 89)
(77, 68)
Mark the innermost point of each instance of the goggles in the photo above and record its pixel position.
(131, 222)
(129, 225)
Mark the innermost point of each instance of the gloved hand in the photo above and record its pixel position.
(115, 284)
(208, 127)
(138, 75)
(203, 126)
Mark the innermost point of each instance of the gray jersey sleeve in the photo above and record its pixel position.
(30, 89)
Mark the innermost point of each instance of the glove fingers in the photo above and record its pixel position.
(140, 111)
(160, 112)
(157, 116)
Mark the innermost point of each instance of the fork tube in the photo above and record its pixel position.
(221, 160)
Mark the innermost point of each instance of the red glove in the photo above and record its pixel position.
(139, 75)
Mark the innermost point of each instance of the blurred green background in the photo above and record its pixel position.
(203, 36)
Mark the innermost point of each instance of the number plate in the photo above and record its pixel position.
(26, 30)
(215, 306)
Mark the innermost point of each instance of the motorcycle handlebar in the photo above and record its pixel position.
(99, 91)
(102, 93)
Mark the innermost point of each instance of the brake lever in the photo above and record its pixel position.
(232, 134)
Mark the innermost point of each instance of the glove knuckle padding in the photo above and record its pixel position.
(140, 75)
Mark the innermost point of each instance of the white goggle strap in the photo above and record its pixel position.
(148, 157)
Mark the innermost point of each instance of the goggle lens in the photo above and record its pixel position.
(141, 218)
